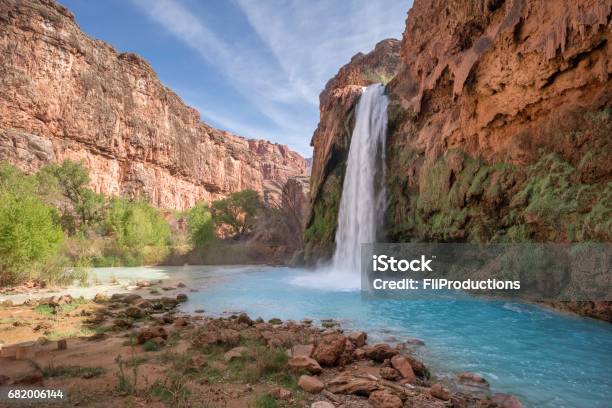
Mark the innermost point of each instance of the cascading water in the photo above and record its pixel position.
(363, 200)
(363, 195)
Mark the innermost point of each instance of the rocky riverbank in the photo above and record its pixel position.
(127, 350)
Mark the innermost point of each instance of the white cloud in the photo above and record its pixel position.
(303, 44)
(313, 39)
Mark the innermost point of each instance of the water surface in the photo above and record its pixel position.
(546, 358)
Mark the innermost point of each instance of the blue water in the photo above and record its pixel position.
(545, 358)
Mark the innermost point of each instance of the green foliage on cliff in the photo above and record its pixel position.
(460, 198)
(320, 232)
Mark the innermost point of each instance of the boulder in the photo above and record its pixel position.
(150, 333)
(101, 298)
(280, 393)
(299, 363)
(380, 352)
(384, 399)
(418, 367)
(180, 321)
(347, 355)
(169, 302)
(235, 353)
(134, 312)
(181, 298)
(131, 298)
(345, 383)
(311, 384)
(439, 392)
(245, 319)
(472, 379)
(302, 350)
(121, 324)
(227, 337)
(506, 401)
(359, 354)
(389, 373)
(143, 304)
(330, 349)
(143, 284)
(401, 364)
(358, 338)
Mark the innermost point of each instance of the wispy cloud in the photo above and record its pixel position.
(301, 45)
(313, 39)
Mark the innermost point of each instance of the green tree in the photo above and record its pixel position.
(29, 235)
(72, 178)
(15, 181)
(200, 225)
(136, 224)
(238, 211)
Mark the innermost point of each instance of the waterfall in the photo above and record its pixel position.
(363, 201)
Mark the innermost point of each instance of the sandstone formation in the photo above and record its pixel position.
(500, 127)
(64, 95)
(482, 87)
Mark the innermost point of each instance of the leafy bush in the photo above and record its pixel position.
(201, 226)
(30, 236)
(142, 234)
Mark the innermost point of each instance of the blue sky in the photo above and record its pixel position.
(253, 67)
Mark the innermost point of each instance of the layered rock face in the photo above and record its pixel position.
(500, 123)
(500, 127)
(64, 95)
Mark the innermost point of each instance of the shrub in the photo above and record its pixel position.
(30, 237)
(266, 401)
(141, 233)
(200, 225)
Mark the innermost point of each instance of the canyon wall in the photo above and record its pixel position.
(64, 95)
(500, 127)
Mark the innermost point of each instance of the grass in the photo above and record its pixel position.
(266, 401)
(53, 371)
(48, 310)
(45, 310)
(186, 364)
(150, 345)
(260, 363)
(173, 391)
(127, 375)
(76, 332)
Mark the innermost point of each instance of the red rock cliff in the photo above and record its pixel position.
(499, 124)
(65, 95)
(500, 128)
